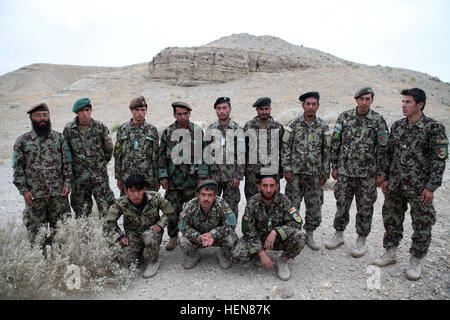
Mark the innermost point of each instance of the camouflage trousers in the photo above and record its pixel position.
(365, 192)
(177, 198)
(145, 245)
(226, 242)
(291, 246)
(307, 187)
(82, 193)
(423, 218)
(251, 184)
(44, 210)
(231, 196)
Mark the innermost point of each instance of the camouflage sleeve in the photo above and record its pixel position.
(251, 234)
(382, 140)
(389, 154)
(239, 149)
(280, 141)
(162, 157)
(114, 213)
(18, 164)
(439, 148)
(228, 222)
(202, 169)
(292, 220)
(326, 145)
(185, 226)
(66, 162)
(286, 147)
(118, 156)
(155, 153)
(336, 140)
(166, 207)
(108, 146)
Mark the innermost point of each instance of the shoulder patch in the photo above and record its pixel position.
(117, 149)
(441, 149)
(244, 224)
(182, 221)
(337, 130)
(231, 218)
(383, 138)
(294, 214)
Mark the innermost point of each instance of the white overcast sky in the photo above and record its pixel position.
(411, 34)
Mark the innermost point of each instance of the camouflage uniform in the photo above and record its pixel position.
(259, 220)
(136, 152)
(42, 165)
(182, 177)
(306, 153)
(220, 220)
(91, 152)
(357, 151)
(415, 160)
(252, 170)
(136, 223)
(224, 173)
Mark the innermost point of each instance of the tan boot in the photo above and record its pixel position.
(360, 248)
(224, 262)
(310, 240)
(190, 261)
(283, 269)
(414, 270)
(336, 241)
(172, 243)
(151, 269)
(389, 257)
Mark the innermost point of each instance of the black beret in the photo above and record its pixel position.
(363, 91)
(312, 94)
(262, 102)
(222, 100)
(38, 107)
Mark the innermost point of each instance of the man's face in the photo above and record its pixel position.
(41, 122)
(267, 187)
(84, 115)
(206, 198)
(410, 107)
(364, 103)
(182, 116)
(223, 111)
(264, 112)
(310, 106)
(139, 114)
(135, 196)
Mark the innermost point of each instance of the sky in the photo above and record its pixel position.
(411, 34)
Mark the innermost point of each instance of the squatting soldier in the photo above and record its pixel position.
(91, 148)
(136, 149)
(357, 158)
(143, 225)
(415, 163)
(205, 221)
(305, 157)
(270, 222)
(180, 180)
(266, 122)
(227, 175)
(42, 172)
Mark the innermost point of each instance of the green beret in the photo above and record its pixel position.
(181, 105)
(205, 183)
(312, 94)
(262, 102)
(363, 91)
(222, 100)
(38, 107)
(138, 102)
(80, 104)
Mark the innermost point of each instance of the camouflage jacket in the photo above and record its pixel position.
(193, 222)
(42, 165)
(136, 151)
(272, 125)
(415, 158)
(91, 151)
(181, 176)
(225, 172)
(259, 220)
(306, 147)
(135, 221)
(358, 144)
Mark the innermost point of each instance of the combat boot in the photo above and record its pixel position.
(172, 243)
(283, 269)
(310, 240)
(389, 257)
(336, 241)
(360, 248)
(224, 262)
(152, 268)
(190, 261)
(414, 270)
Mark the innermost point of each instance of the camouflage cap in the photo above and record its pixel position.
(267, 173)
(363, 91)
(181, 105)
(262, 102)
(38, 107)
(222, 100)
(138, 102)
(205, 183)
(312, 94)
(80, 104)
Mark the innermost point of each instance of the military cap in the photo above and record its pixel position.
(80, 104)
(222, 100)
(267, 173)
(312, 94)
(262, 102)
(138, 102)
(181, 105)
(38, 107)
(205, 183)
(363, 91)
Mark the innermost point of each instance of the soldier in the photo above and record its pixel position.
(42, 172)
(270, 222)
(143, 225)
(205, 221)
(91, 148)
(266, 122)
(415, 163)
(136, 149)
(227, 175)
(357, 157)
(180, 180)
(305, 157)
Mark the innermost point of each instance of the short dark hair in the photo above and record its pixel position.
(137, 181)
(417, 94)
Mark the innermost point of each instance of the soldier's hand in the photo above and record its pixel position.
(65, 192)
(268, 245)
(124, 242)
(427, 197)
(235, 183)
(265, 260)
(378, 181)
(207, 239)
(28, 198)
(334, 174)
(156, 228)
(384, 186)
(120, 184)
(288, 176)
(165, 183)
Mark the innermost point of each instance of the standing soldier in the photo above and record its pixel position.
(91, 148)
(357, 157)
(227, 175)
(42, 172)
(415, 163)
(305, 158)
(136, 149)
(266, 122)
(180, 180)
